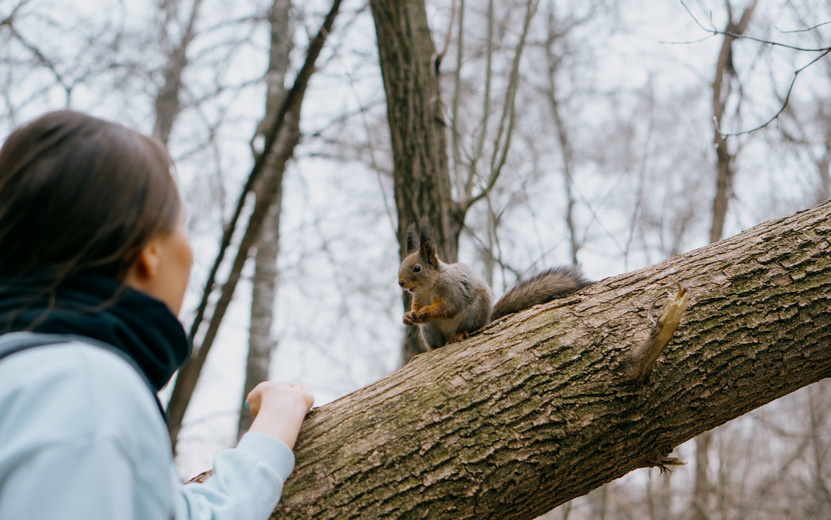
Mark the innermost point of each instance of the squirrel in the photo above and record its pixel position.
(449, 301)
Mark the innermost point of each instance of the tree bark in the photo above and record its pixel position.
(530, 412)
(414, 110)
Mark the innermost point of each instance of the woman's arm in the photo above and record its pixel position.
(248, 480)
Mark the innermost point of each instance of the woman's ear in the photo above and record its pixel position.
(162, 268)
(145, 267)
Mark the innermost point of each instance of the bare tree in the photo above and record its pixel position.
(287, 119)
(478, 166)
(482, 67)
(47, 71)
(722, 88)
(176, 43)
(806, 121)
(264, 281)
(559, 52)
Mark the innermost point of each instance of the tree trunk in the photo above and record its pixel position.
(420, 173)
(725, 159)
(563, 133)
(824, 167)
(167, 103)
(701, 491)
(263, 291)
(531, 412)
(725, 173)
(414, 109)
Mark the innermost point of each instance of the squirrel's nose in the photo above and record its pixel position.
(401, 283)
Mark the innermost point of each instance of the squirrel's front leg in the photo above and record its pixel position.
(435, 311)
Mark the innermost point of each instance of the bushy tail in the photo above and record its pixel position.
(540, 288)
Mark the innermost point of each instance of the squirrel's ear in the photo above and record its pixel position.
(412, 245)
(428, 252)
(427, 246)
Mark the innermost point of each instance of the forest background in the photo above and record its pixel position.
(623, 133)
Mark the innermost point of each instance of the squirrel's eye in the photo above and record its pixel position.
(417, 269)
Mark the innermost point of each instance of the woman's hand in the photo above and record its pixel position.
(279, 409)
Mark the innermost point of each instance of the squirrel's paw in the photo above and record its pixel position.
(415, 318)
(458, 337)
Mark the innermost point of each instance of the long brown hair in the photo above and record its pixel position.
(80, 194)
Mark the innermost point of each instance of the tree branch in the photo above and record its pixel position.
(531, 413)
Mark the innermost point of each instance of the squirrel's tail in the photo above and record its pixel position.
(540, 288)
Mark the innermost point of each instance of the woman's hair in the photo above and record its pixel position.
(80, 194)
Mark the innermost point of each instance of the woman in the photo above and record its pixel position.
(93, 253)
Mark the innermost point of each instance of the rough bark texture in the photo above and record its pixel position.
(529, 413)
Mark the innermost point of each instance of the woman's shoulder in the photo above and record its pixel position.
(81, 410)
(75, 390)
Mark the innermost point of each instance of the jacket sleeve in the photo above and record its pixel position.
(81, 437)
(247, 482)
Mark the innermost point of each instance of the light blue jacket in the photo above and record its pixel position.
(81, 437)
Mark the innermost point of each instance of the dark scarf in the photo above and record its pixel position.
(103, 309)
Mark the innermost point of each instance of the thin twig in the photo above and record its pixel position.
(823, 51)
(784, 103)
(715, 32)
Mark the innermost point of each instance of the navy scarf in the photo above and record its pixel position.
(103, 309)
